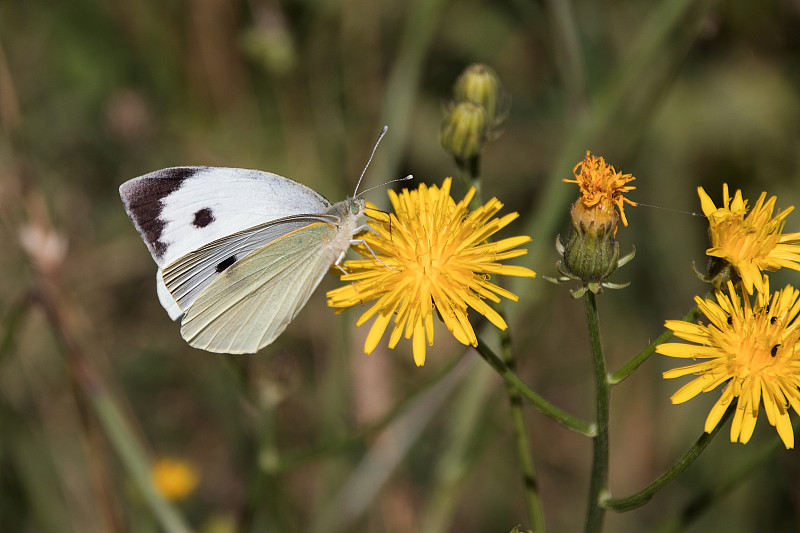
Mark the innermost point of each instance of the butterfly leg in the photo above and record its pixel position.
(378, 259)
(365, 227)
(338, 262)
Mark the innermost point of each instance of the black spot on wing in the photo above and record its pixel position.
(143, 199)
(225, 263)
(203, 218)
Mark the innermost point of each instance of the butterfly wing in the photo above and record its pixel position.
(186, 278)
(251, 302)
(182, 209)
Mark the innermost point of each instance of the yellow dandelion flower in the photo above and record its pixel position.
(755, 348)
(431, 254)
(602, 187)
(175, 479)
(752, 242)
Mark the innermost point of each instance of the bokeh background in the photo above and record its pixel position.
(311, 434)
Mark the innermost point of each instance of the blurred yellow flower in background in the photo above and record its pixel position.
(174, 478)
(431, 255)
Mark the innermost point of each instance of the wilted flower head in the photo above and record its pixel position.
(431, 255)
(591, 253)
(602, 187)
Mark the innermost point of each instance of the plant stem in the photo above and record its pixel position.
(92, 389)
(545, 407)
(535, 512)
(598, 486)
(644, 495)
(469, 174)
(624, 372)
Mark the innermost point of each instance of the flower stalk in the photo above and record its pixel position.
(623, 373)
(599, 482)
(643, 496)
(542, 405)
(532, 498)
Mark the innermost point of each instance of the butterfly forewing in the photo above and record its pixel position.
(178, 210)
(252, 302)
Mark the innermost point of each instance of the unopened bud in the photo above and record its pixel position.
(479, 84)
(465, 130)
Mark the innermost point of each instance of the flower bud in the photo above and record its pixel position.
(465, 130)
(591, 253)
(479, 84)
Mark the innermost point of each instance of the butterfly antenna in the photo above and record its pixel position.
(383, 132)
(409, 177)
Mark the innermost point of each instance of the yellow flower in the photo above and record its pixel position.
(602, 187)
(754, 347)
(750, 242)
(432, 254)
(175, 479)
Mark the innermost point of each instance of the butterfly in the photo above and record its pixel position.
(239, 252)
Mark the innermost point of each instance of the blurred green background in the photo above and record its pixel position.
(311, 434)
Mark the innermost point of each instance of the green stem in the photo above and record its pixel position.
(545, 407)
(535, 512)
(469, 174)
(644, 495)
(624, 372)
(701, 502)
(599, 484)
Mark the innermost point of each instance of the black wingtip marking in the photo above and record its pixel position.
(203, 218)
(143, 199)
(226, 263)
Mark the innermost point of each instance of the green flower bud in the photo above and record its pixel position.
(465, 130)
(591, 253)
(479, 84)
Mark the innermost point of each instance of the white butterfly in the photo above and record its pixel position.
(239, 252)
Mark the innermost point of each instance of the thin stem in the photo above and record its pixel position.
(700, 503)
(644, 495)
(542, 405)
(117, 427)
(599, 484)
(535, 512)
(624, 372)
(469, 174)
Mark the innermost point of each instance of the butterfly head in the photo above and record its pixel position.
(356, 206)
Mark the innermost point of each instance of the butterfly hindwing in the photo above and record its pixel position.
(187, 277)
(247, 306)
